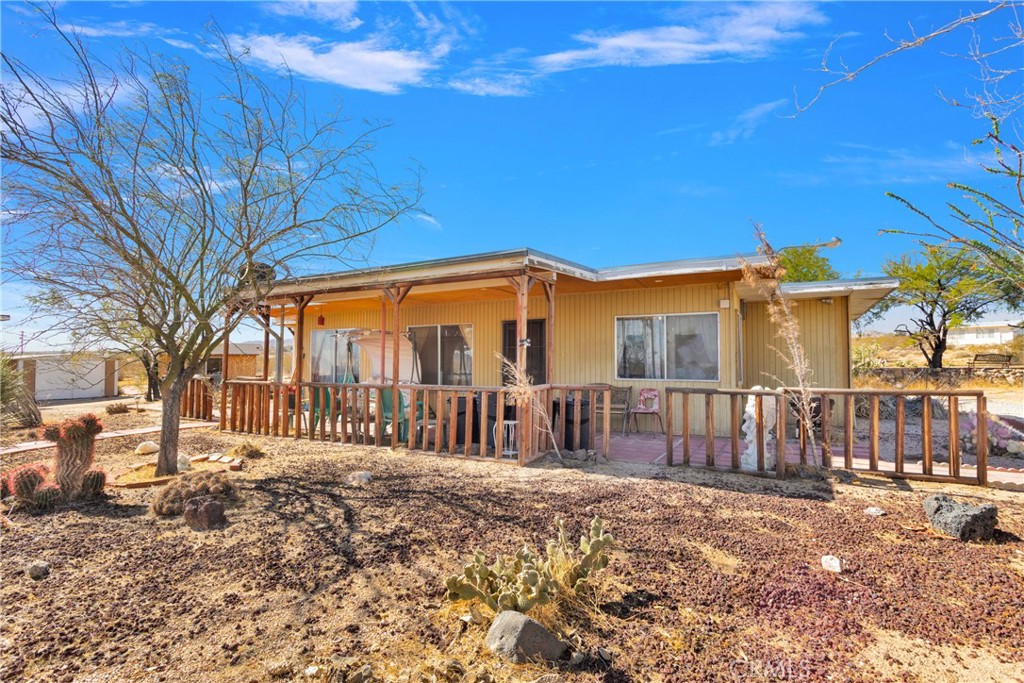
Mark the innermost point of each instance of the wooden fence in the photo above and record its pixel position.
(197, 400)
(832, 432)
(458, 421)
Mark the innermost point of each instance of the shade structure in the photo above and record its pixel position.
(368, 342)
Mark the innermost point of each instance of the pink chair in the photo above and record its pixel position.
(647, 403)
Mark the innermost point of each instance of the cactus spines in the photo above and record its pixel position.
(46, 496)
(76, 441)
(24, 481)
(93, 482)
(526, 580)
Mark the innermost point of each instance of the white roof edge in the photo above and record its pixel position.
(840, 286)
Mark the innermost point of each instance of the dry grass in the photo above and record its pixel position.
(148, 472)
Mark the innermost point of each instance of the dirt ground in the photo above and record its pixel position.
(717, 576)
(60, 411)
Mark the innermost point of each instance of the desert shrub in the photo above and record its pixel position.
(528, 579)
(117, 409)
(171, 499)
(1016, 348)
(246, 449)
(865, 356)
(18, 406)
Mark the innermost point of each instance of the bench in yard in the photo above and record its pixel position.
(991, 360)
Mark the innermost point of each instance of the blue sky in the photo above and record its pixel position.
(608, 133)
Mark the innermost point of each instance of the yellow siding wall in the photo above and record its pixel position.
(824, 334)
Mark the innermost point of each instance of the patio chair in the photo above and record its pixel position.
(648, 402)
(403, 413)
(622, 404)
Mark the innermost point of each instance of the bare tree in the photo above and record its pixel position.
(986, 221)
(135, 189)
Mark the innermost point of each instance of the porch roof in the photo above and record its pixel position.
(864, 293)
(498, 265)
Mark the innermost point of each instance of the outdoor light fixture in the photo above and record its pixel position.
(320, 320)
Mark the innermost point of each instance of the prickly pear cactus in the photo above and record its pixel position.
(526, 580)
(24, 481)
(46, 496)
(76, 441)
(93, 482)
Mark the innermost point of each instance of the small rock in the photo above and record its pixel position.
(549, 678)
(519, 638)
(832, 563)
(605, 655)
(874, 512)
(363, 674)
(203, 513)
(312, 670)
(184, 463)
(577, 658)
(38, 569)
(361, 478)
(1015, 447)
(962, 521)
(147, 448)
(281, 668)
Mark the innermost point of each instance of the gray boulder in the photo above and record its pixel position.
(961, 520)
(519, 638)
(204, 512)
(38, 569)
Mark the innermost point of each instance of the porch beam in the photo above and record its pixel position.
(300, 303)
(549, 341)
(396, 295)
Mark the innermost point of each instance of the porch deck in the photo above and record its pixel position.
(649, 448)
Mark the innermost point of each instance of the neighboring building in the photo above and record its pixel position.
(985, 334)
(687, 323)
(61, 375)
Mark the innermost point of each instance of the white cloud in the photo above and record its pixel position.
(744, 125)
(114, 29)
(340, 13)
(507, 84)
(739, 32)
(427, 218)
(365, 65)
(892, 166)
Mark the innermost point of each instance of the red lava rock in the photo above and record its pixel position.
(203, 513)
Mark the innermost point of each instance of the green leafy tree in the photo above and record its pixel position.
(944, 287)
(806, 264)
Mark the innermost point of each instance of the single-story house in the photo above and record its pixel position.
(52, 376)
(992, 333)
(684, 323)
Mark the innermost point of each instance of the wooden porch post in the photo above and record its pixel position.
(383, 329)
(522, 285)
(549, 343)
(264, 313)
(224, 355)
(397, 295)
(300, 333)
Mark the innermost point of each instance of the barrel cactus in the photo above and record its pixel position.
(46, 496)
(93, 482)
(24, 481)
(76, 442)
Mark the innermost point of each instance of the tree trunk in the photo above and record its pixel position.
(935, 362)
(170, 420)
(152, 367)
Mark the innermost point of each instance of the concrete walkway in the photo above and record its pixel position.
(40, 445)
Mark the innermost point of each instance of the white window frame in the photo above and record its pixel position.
(472, 348)
(664, 360)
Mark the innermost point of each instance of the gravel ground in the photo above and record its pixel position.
(717, 577)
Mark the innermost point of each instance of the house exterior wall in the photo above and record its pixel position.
(584, 333)
(824, 334)
(63, 377)
(983, 335)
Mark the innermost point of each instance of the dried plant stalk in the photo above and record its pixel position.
(519, 387)
(782, 312)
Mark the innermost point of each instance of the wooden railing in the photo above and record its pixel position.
(835, 416)
(469, 422)
(197, 400)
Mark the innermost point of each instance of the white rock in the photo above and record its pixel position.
(1015, 447)
(874, 511)
(147, 448)
(312, 670)
(361, 478)
(832, 563)
(184, 464)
